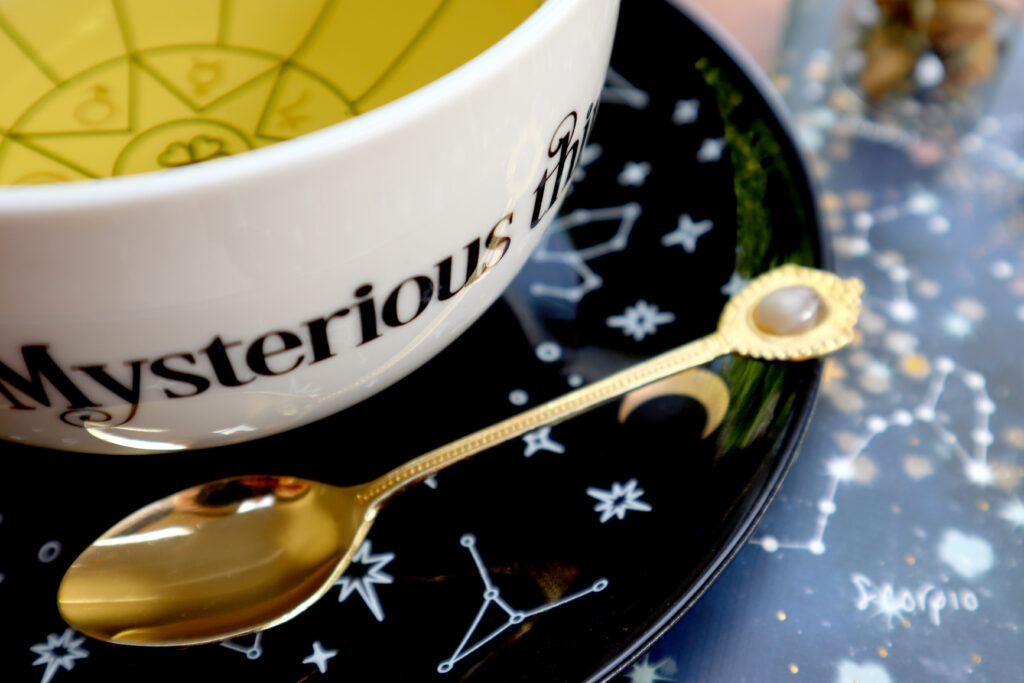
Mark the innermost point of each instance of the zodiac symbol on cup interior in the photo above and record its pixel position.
(96, 109)
(199, 148)
(289, 113)
(203, 75)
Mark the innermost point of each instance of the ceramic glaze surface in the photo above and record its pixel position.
(250, 294)
(93, 88)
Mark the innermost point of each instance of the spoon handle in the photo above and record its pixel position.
(690, 355)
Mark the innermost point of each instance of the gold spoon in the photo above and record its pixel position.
(243, 554)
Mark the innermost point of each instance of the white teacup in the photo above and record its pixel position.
(250, 294)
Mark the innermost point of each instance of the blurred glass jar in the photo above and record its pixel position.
(929, 65)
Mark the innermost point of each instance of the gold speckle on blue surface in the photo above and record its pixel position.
(1014, 436)
(830, 201)
(917, 466)
(859, 200)
(1006, 476)
(915, 366)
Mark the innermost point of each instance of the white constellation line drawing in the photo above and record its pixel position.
(251, 651)
(540, 440)
(576, 259)
(976, 468)
(492, 596)
(591, 153)
(921, 203)
(617, 90)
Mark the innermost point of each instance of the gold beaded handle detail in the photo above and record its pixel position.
(829, 326)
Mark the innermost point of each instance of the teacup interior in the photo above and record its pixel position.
(97, 88)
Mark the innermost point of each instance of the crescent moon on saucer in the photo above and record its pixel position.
(697, 383)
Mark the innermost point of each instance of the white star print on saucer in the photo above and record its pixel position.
(687, 233)
(617, 501)
(59, 652)
(364, 585)
(320, 657)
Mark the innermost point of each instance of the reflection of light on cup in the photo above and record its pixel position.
(132, 437)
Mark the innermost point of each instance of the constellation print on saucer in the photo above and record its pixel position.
(634, 173)
(364, 584)
(687, 233)
(617, 90)
(711, 150)
(735, 284)
(254, 651)
(492, 596)
(540, 440)
(640, 320)
(320, 657)
(576, 259)
(615, 502)
(59, 652)
(686, 111)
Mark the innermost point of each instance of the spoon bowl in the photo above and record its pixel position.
(208, 561)
(243, 554)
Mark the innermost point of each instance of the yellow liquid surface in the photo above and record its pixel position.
(96, 88)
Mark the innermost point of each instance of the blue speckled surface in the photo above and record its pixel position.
(893, 552)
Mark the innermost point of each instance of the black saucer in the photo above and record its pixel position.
(553, 558)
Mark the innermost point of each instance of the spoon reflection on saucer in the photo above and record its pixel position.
(242, 554)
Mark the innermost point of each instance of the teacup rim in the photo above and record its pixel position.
(307, 148)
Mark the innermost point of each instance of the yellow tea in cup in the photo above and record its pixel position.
(97, 88)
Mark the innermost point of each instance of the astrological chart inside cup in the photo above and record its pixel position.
(96, 88)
